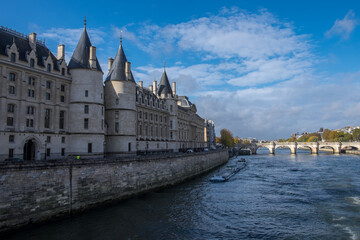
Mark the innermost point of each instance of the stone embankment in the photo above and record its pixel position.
(32, 192)
(357, 152)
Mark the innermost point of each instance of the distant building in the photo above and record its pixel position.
(51, 109)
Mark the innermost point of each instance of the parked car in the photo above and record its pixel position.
(205, 150)
(190, 151)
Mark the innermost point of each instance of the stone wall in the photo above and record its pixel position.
(37, 191)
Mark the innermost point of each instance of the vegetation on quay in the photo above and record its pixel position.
(328, 135)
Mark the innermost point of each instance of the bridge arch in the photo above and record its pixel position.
(306, 148)
(291, 150)
(349, 147)
(262, 147)
(326, 149)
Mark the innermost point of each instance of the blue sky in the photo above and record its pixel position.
(263, 69)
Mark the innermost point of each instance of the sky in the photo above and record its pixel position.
(262, 69)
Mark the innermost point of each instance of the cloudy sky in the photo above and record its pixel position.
(262, 69)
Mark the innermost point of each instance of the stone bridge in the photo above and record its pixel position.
(314, 147)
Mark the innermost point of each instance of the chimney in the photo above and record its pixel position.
(155, 87)
(151, 88)
(61, 51)
(127, 70)
(32, 41)
(92, 58)
(174, 88)
(141, 84)
(111, 60)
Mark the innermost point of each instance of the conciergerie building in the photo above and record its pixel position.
(53, 110)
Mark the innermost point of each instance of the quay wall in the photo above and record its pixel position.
(32, 192)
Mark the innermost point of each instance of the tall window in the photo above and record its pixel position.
(62, 88)
(11, 138)
(12, 77)
(116, 114)
(47, 118)
(48, 96)
(32, 62)
(48, 68)
(10, 108)
(62, 139)
(62, 98)
(86, 123)
(11, 152)
(30, 110)
(10, 121)
(89, 147)
(86, 108)
(12, 57)
(171, 108)
(62, 120)
(31, 93)
(48, 85)
(86, 93)
(63, 71)
(11, 90)
(31, 81)
(29, 122)
(117, 127)
(63, 152)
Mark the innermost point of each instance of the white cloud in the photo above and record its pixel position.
(343, 27)
(254, 74)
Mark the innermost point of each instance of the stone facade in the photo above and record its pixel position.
(53, 110)
(37, 191)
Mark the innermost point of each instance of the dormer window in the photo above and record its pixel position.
(32, 62)
(48, 68)
(12, 57)
(63, 71)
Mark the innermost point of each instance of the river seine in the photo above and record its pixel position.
(279, 196)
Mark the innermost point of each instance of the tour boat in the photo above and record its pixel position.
(229, 173)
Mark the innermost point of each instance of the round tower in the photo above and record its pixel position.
(86, 105)
(120, 113)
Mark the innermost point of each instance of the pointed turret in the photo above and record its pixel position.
(164, 85)
(118, 68)
(81, 55)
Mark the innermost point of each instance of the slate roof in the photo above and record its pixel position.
(80, 57)
(8, 36)
(117, 70)
(164, 85)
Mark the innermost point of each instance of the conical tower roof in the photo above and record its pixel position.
(164, 85)
(80, 57)
(117, 70)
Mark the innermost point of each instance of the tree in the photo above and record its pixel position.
(292, 139)
(356, 134)
(326, 134)
(226, 138)
(218, 140)
(237, 140)
(347, 137)
(313, 139)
